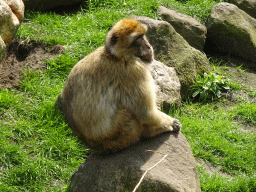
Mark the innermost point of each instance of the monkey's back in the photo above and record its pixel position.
(96, 87)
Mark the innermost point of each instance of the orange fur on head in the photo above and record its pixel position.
(122, 34)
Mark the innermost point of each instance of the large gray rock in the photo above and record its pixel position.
(122, 171)
(189, 28)
(174, 51)
(11, 14)
(231, 31)
(47, 4)
(249, 6)
(167, 85)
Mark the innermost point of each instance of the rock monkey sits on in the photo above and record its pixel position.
(109, 96)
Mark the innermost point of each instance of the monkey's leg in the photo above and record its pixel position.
(126, 130)
(159, 122)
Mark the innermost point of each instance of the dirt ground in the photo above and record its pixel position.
(243, 73)
(24, 56)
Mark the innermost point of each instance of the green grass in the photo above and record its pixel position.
(214, 135)
(252, 92)
(245, 113)
(38, 152)
(37, 149)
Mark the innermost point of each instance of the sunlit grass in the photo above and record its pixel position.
(37, 149)
(215, 137)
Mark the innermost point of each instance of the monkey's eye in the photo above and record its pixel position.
(137, 41)
(140, 36)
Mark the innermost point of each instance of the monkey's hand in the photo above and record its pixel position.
(176, 125)
(171, 124)
(163, 123)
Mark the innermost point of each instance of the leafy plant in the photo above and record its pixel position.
(251, 92)
(234, 85)
(209, 86)
(240, 69)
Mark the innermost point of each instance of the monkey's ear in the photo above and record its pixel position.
(114, 39)
(111, 40)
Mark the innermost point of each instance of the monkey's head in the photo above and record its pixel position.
(126, 39)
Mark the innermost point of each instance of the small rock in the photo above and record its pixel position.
(2, 49)
(11, 14)
(17, 7)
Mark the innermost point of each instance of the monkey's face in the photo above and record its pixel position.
(143, 49)
(127, 40)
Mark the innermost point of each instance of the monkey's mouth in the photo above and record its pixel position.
(146, 58)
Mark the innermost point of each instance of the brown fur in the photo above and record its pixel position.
(109, 98)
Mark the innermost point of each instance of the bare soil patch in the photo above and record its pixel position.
(243, 72)
(22, 57)
(209, 168)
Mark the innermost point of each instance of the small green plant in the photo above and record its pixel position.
(209, 86)
(218, 66)
(240, 69)
(234, 85)
(251, 92)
